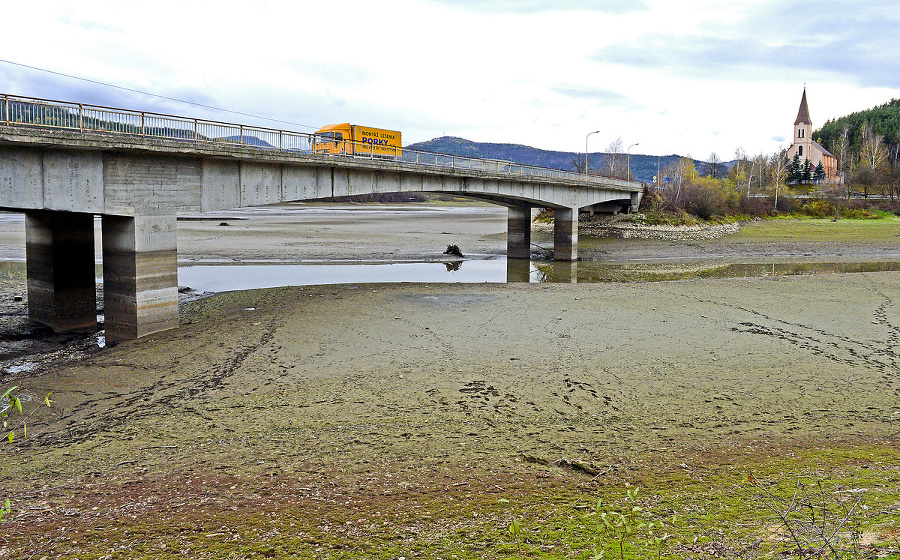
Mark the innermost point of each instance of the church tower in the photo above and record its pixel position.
(802, 130)
(808, 149)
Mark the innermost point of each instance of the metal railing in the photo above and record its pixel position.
(46, 113)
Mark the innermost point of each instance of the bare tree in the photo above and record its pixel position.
(780, 166)
(842, 149)
(679, 172)
(757, 166)
(578, 163)
(713, 164)
(873, 157)
(613, 164)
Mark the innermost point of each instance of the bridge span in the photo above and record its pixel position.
(63, 163)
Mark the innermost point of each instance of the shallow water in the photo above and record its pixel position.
(223, 277)
(227, 277)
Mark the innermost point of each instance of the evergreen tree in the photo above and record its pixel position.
(819, 174)
(807, 172)
(795, 171)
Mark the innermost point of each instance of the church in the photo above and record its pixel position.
(807, 148)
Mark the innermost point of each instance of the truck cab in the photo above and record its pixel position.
(362, 141)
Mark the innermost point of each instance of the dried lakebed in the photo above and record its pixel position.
(413, 420)
(330, 400)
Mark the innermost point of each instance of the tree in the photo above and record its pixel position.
(613, 164)
(819, 173)
(795, 171)
(741, 167)
(893, 179)
(842, 151)
(578, 163)
(679, 172)
(806, 177)
(873, 159)
(713, 165)
(780, 169)
(757, 168)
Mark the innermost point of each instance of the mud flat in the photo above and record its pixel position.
(418, 420)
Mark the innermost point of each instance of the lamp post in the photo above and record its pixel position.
(629, 158)
(586, 151)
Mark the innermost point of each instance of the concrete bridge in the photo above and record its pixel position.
(63, 163)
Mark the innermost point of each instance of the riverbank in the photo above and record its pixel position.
(422, 420)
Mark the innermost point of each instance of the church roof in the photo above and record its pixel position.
(803, 113)
(822, 149)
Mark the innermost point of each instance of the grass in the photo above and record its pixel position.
(718, 507)
(822, 230)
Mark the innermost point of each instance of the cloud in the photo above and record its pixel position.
(598, 95)
(540, 6)
(846, 42)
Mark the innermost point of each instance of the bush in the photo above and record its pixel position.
(708, 201)
(819, 209)
(756, 207)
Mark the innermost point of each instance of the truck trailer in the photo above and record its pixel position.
(355, 140)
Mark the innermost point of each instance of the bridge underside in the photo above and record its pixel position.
(138, 191)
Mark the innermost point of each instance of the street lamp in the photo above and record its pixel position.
(586, 151)
(629, 158)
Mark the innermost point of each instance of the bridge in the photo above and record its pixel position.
(64, 163)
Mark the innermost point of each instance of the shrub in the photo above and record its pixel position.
(820, 209)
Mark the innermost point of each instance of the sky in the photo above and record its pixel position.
(688, 77)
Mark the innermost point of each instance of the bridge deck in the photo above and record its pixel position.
(61, 177)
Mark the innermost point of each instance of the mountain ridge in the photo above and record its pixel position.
(643, 167)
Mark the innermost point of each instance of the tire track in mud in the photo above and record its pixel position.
(107, 411)
(881, 357)
(832, 346)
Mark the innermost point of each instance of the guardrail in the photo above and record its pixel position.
(47, 113)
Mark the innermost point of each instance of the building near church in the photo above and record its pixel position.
(807, 148)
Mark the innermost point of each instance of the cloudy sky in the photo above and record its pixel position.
(676, 76)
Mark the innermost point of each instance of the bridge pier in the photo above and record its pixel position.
(518, 234)
(59, 255)
(565, 234)
(140, 275)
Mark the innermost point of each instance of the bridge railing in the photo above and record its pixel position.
(46, 113)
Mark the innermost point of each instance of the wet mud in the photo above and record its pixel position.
(325, 405)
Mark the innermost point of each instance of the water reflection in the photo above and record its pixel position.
(225, 277)
(587, 273)
(247, 276)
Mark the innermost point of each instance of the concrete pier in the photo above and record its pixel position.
(140, 275)
(59, 253)
(565, 234)
(518, 235)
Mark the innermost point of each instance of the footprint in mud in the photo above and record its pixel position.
(572, 386)
(478, 394)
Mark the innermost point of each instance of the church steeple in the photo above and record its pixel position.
(803, 113)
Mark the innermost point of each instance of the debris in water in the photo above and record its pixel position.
(453, 250)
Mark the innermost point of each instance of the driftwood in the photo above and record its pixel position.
(453, 250)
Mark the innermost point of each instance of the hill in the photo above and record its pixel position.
(643, 167)
(884, 119)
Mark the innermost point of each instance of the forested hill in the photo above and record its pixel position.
(643, 167)
(884, 120)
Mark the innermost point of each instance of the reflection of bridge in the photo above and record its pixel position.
(63, 163)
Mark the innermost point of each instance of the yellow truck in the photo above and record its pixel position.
(353, 139)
